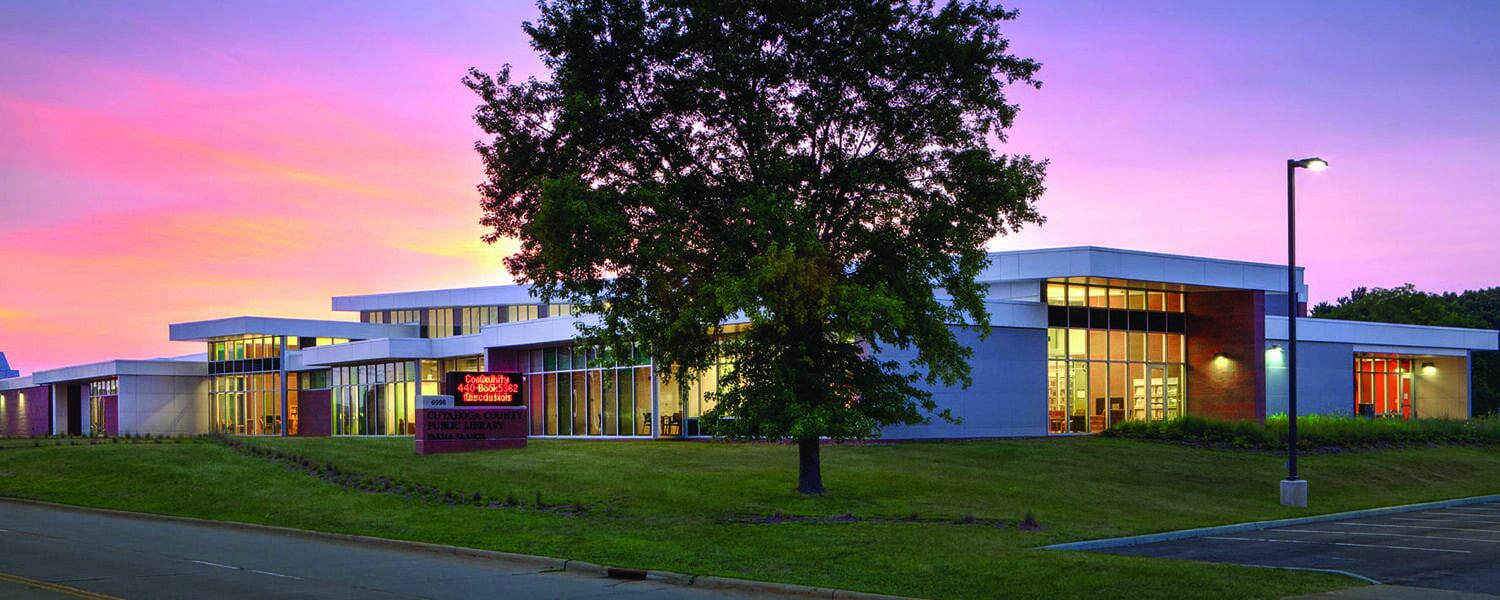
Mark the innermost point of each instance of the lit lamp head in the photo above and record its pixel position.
(1429, 368)
(1313, 164)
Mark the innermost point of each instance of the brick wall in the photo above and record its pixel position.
(28, 419)
(1232, 324)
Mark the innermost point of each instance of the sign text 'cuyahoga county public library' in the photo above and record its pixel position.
(485, 411)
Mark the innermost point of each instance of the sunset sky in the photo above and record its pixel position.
(175, 161)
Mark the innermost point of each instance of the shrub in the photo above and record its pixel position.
(1313, 431)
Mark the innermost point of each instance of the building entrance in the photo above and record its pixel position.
(1382, 386)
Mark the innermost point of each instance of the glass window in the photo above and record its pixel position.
(1174, 302)
(1057, 396)
(1137, 345)
(580, 410)
(643, 401)
(552, 404)
(623, 397)
(1078, 381)
(1077, 295)
(1097, 297)
(1117, 345)
(1156, 301)
(1175, 390)
(1098, 344)
(1078, 343)
(1156, 345)
(1137, 299)
(1057, 294)
(1118, 386)
(1057, 342)
(536, 403)
(1116, 298)
(1098, 396)
(595, 403)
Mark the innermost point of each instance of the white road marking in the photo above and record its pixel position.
(1405, 535)
(274, 574)
(1444, 520)
(1472, 508)
(232, 567)
(1419, 527)
(1349, 544)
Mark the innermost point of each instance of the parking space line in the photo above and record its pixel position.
(1419, 527)
(1472, 509)
(1405, 535)
(1445, 520)
(1348, 544)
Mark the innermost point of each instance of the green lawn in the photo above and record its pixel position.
(667, 505)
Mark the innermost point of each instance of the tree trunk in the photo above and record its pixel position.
(809, 468)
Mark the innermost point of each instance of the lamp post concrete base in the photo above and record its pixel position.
(1294, 492)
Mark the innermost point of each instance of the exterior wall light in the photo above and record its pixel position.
(1221, 356)
(1428, 368)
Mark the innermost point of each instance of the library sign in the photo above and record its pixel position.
(483, 411)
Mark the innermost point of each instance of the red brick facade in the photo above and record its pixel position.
(28, 419)
(1226, 356)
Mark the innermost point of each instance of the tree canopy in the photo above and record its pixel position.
(1407, 304)
(823, 172)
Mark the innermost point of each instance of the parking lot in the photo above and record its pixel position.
(1456, 548)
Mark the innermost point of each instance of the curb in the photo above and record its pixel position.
(539, 563)
(1166, 536)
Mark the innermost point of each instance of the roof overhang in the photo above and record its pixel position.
(534, 332)
(1134, 265)
(475, 296)
(164, 367)
(384, 349)
(16, 383)
(1387, 337)
(232, 326)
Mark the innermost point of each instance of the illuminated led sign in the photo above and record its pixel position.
(485, 389)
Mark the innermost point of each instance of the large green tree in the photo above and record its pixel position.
(824, 172)
(1407, 304)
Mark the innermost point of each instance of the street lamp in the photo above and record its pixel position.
(1293, 490)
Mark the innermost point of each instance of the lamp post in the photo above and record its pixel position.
(1293, 489)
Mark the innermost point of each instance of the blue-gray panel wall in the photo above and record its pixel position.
(1009, 393)
(1325, 382)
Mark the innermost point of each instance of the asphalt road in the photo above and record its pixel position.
(1449, 549)
(87, 555)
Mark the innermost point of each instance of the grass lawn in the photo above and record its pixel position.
(668, 505)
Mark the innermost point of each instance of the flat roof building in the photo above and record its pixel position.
(1082, 338)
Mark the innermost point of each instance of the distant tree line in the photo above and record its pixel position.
(1406, 304)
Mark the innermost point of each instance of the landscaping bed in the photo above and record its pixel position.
(1315, 432)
